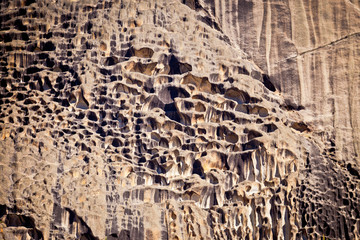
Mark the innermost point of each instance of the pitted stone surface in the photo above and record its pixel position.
(145, 120)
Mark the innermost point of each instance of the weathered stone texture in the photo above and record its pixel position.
(152, 120)
(310, 49)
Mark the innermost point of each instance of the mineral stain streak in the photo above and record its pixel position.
(194, 119)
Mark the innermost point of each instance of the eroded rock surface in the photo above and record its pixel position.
(147, 120)
(310, 49)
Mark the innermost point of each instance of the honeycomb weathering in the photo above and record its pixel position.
(148, 120)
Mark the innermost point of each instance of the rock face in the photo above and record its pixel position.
(310, 49)
(173, 119)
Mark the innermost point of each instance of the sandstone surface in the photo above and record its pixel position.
(169, 119)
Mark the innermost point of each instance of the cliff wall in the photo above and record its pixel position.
(179, 120)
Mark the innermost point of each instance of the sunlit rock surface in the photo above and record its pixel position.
(310, 49)
(179, 120)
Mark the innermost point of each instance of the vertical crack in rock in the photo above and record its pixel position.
(147, 120)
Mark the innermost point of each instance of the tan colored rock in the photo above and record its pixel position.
(151, 120)
(310, 49)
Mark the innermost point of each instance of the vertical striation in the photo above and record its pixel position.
(310, 49)
(178, 119)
